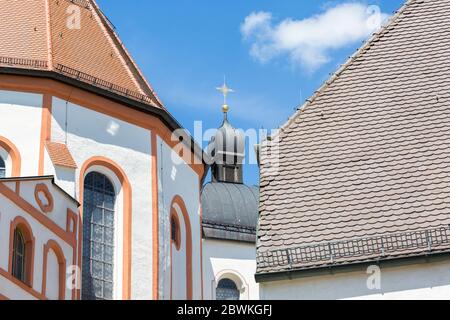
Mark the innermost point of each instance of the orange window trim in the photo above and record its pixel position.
(23, 225)
(54, 246)
(14, 154)
(179, 201)
(127, 208)
(36, 214)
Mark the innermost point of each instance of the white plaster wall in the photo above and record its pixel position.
(8, 212)
(60, 201)
(179, 263)
(20, 122)
(421, 281)
(229, 259)
(88, 134)
(177, 178)
(12, 291)
(52, 279)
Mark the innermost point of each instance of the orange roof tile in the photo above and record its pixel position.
(35, 34)
(60, 155)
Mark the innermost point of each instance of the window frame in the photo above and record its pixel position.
(229, 281)
(113, 210)
(20, 224)
(19, 257)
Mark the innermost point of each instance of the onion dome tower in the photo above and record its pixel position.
(227, 148)
(230, 208)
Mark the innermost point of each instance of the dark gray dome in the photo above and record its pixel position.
(227, 141)
(230, 211)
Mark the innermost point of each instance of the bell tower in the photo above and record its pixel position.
(227, 148)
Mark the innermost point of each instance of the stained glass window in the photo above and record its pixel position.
(98, 237)
(227, 290)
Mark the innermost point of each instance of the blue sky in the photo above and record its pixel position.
(275, 54)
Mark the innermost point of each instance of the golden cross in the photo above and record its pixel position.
(225, 91)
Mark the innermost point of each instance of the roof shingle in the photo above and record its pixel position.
(369, 154)
(39, 30)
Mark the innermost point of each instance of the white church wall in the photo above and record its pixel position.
(178, 263)
(52, 284)
(176, 178)
(27, 190)
(233, 260)
(13, 291)
(92, 134)
(20, 117)
(42, 234)
(421, 281)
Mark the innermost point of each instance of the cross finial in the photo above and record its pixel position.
(225, 91)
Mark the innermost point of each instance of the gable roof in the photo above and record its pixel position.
(367, 158)
(35, 34)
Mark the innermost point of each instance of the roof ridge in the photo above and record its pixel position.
(375, 36)
(116, 39)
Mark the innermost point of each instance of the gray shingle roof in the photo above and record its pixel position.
(369, 153)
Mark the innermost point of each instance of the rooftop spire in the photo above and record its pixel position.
(225, 91)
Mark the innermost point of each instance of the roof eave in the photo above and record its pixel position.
(327, 270)
(162, 114)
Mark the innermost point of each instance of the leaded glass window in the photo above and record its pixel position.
(19, 256)
(98, 237)
(227, 290)
(2, 168)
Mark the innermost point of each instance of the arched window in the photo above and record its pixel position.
(98, 237)
(19, 263)
(175, 232)
(227, 290)
(21, 251)
(2, 168)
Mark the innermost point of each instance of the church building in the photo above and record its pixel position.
(355, 186)
(102, 192)
(94, 173)
(229, 219)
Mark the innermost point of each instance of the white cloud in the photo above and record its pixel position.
(308, 42)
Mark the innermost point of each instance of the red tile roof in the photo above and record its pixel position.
(35, 34)
(60, 155)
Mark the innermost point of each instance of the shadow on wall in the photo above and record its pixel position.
(420, 281)
(88, 124)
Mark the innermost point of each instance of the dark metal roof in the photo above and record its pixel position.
(230, 211)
